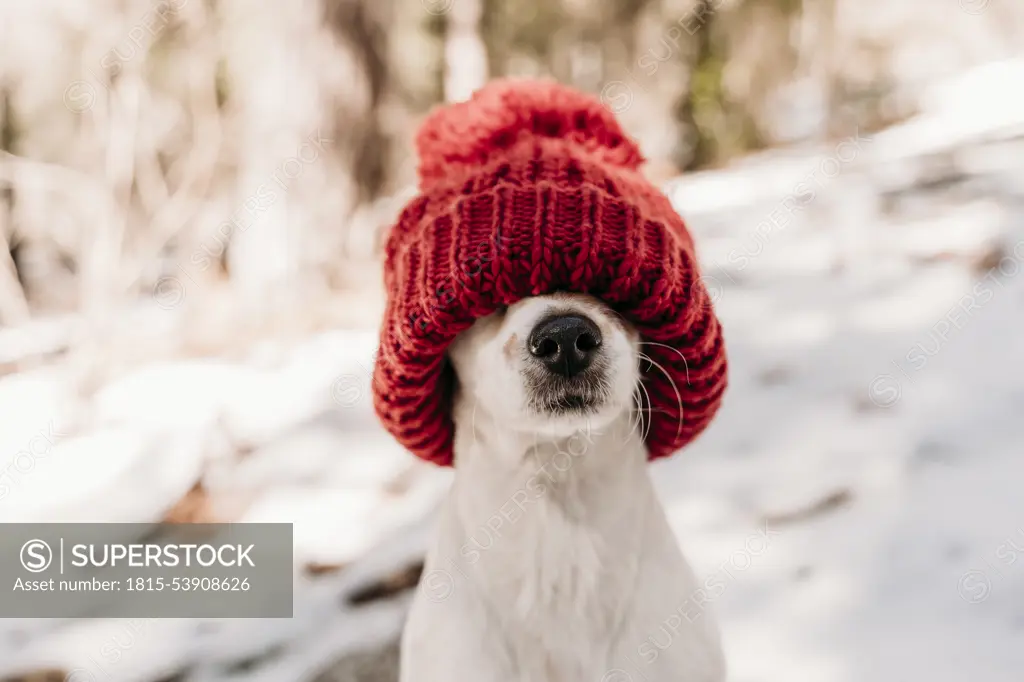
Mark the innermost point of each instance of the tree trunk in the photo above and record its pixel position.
(465, 54)
(13, 306)
(697, 150)
(275, 103)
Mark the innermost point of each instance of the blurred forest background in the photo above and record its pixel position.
(193, 198)
(238, 157)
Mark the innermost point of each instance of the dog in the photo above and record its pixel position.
(554, 560)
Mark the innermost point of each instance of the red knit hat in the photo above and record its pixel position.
(526, 189)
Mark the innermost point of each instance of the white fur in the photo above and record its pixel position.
(554, 561)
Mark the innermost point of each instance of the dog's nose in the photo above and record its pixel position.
(566, 344)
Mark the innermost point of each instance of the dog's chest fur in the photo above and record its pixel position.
(552, 566)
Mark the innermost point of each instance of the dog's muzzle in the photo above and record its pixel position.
(565, 344)
(568, 349)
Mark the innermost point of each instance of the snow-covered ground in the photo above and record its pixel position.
(856, 506)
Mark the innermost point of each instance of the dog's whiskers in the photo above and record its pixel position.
(639, 409)
(679, 397)
(686, 365)
(647, 422)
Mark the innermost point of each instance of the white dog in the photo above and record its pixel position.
(554, 561)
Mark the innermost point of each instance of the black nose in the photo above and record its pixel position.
(566, 344)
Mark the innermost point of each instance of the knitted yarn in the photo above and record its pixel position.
(530, 188)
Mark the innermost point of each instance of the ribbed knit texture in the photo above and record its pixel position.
(531, 188)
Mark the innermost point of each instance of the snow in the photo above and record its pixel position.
(857, 502)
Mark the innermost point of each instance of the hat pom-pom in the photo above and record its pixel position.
(500, 115)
